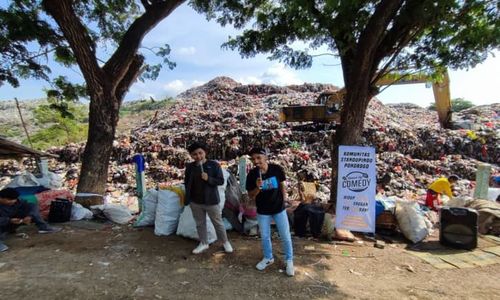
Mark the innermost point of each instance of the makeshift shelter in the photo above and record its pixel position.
(13, 150)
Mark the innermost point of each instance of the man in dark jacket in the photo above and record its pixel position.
(15, 212)
(201, 180)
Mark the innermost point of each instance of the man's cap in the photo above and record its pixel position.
(454, 177)
(257, 150)
(9, 193)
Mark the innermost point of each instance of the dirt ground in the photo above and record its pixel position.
(102, 261)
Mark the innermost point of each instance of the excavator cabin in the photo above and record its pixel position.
(328, 104)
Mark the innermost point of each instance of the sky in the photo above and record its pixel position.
(196, 48)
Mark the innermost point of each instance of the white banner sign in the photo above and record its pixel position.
(356, 189)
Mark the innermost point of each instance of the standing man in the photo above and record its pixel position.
(266, 184)
(437, 188)
(15, 212)
(201, 180)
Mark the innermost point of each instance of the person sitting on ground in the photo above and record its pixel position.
(441, 186)
(201, 180)
(15, 212)
(266, 184)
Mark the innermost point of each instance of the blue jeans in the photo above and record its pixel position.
(281, 220)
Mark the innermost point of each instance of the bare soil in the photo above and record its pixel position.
(119, 262)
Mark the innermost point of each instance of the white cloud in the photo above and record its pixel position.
(197, 83)
(280, 75)
(250, 80)
(178, 86)
(174, 87)
(187, 51)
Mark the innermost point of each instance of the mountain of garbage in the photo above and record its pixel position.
(231, 118)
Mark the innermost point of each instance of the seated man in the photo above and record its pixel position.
(15, 212)
(437, 188)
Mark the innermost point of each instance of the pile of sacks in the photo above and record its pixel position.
(164, 208)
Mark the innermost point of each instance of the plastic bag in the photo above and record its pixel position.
(187, 227)
(148, 211)
(117, 213)
(50, 180)
(78, 212)
(25, 179)
(222, 189)
(168, 211)
(411, 220)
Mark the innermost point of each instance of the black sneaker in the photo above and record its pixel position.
(49, 229)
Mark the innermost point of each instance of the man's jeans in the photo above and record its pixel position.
(281, 220)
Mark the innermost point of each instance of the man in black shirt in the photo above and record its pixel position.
(201, 180)
(266, 184)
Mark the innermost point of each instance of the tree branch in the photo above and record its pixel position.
(78, 38)
(131, 75)
(118, 65)
(370, 38)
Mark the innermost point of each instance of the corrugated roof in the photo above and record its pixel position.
(10, 149)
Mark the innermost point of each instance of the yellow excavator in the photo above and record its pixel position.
(328, 103)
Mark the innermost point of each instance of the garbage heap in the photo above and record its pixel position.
(231, 118)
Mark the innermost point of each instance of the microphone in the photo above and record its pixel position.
(201, 166)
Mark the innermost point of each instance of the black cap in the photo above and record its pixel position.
(9, 193)
(257, 151)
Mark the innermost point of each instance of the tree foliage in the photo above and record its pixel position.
(29, 39)
(59, 127)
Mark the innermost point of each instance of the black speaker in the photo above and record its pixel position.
(458, 227)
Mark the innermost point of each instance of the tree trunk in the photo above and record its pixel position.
(350, 129)
(103, 118)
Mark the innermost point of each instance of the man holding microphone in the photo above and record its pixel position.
(266, 185)
(202, 177)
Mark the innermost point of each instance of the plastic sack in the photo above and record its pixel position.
(233, 194)
(222, 189)
(493, 193)
(78, 212)
(148, 210)
(168, 211)
(458, 201)
(411, 220)
(50, 180)
(117, 213)
(25, 179)
(187, 227)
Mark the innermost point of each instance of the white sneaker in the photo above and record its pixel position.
(290, 270)
(201, 247)
(227, 247)
(264, 263)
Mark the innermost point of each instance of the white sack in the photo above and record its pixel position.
(168, 210)
(148, 210)
(117, 213)
(411, 220)
(187, 227)
(78, 212)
